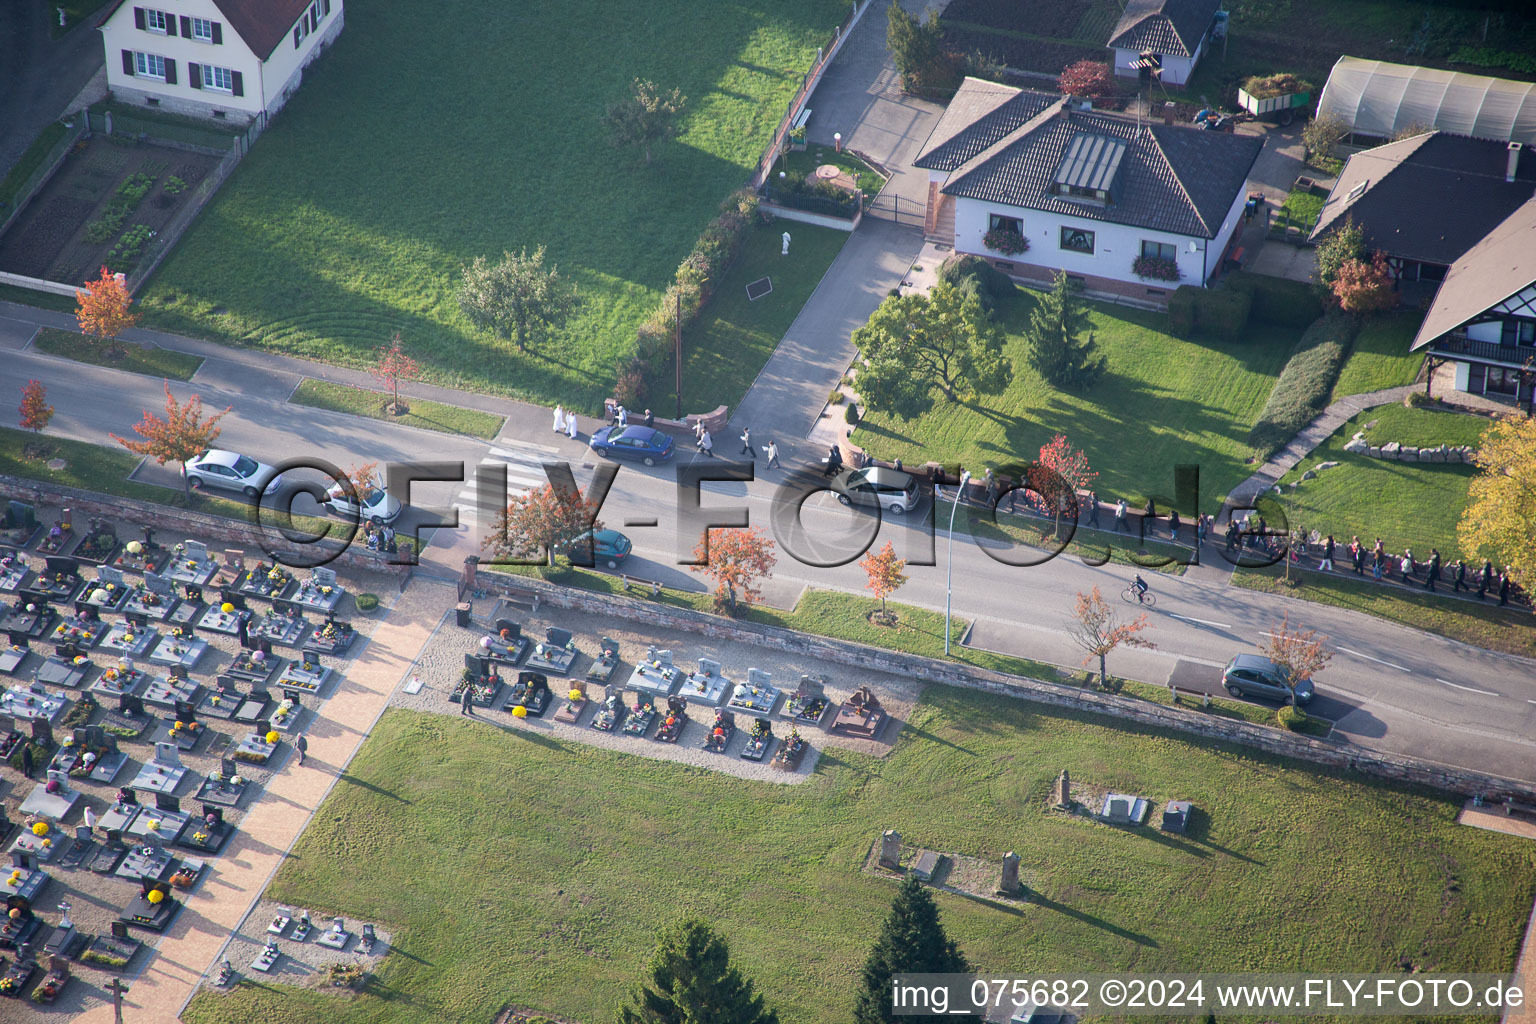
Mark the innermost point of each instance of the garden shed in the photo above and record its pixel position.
(1378, 99)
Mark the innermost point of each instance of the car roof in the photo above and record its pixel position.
(648, 434)
(219, 457)
(1254, 661)
(885, 477)
(607, 535)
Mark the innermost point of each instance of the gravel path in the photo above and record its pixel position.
(441, 664)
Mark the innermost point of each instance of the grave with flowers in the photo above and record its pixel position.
(32, 618)
(154, 598)
(99, 546)
(320, 592)
(555, 654)
(574, 704)
(223, 787)
(478, 683)
(600, 672)
(23, 878)
(153, 908)
(110, 592)
(182, 651)
(676, 720)
(19, 927)
(306, 674)
(15, 574)
(790, 751)
(807, 704)
(253, 666)
(190, 563)
(507, 644)
(759, 740)
(268, 582)
(58, 536)
(720, 731)
(531, 693)
(332, 637)
(225, 618)
(655, 674)
(285, 625)
(129, 641)
(758, 696)
(610, 713)
(67, 670)
(707, 686)
(116, 680)
(141, 556)
(207, 832)
(80, 630)
(166, 691)
(641, 714)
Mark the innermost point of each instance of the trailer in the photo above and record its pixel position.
(1277, 98)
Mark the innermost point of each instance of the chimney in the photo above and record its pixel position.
(1514, 161)
(1168, 112)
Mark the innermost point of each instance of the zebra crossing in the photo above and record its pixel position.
(524, 463)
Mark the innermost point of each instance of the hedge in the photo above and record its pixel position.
(990, 284)
(1220, 311)
(1278, 300)
(1304, 385)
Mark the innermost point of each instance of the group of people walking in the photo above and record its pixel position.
(1428, 573)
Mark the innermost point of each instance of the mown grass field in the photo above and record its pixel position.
(354, 213)
(448, 419)
(152, 362)
(524, 869)
(1406, 504)
(1380, 358)
(1165, 401)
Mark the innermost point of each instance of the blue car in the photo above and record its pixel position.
(608, 547)
(646, 444)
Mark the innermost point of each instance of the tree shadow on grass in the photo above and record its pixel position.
(908, 727)
(380, 790)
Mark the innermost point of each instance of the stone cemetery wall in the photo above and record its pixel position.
(1382, 765)
(175, 524)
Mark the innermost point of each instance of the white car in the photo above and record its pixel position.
(378, 507)
(231, 471)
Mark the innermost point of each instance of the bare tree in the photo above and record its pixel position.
(1097, 629)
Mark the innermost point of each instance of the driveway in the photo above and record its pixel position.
(39, 75)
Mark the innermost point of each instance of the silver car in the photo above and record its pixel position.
(891, 489)
(231, 471)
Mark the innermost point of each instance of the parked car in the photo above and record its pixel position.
(1251, 675)
(609, 547)
(377, 506)
(891, 489)
(231, 471)
(647, 444)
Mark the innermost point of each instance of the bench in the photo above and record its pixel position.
(631, 582)
(1203, 696)
(1512, 806)
(800, 119)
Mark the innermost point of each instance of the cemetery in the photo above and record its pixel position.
(967, 786)
(153, 720)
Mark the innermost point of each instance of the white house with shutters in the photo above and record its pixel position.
(1034, 186)
(231, 59)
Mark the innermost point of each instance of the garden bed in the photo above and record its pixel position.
(51, 239)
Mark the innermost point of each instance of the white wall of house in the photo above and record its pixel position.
(1224, 234)
(1488, 332)
(1115, 246)
(263, 85)
(1463, 375)
(1176, 70)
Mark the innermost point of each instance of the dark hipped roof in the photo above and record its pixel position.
(1171, 178)
(262, 24)
(980, 114)
(1501, 265)
(1429, 198)
(1163, 26)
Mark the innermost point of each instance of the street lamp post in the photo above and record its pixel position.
(949, 558)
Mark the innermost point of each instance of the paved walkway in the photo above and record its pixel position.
(243, 870)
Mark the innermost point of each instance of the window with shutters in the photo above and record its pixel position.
(221, 79)
(154, 21)
(148, 65)
(202, 30)
(315, 13)
(301, 30)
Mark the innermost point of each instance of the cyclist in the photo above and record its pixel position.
(1139, 588)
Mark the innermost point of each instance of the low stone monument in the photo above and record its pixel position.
(1063, 798)
(1009, 885)
(890, 849)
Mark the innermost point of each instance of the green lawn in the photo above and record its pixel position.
(1406, 504)
(490, 140)
(734, 336)
(1165, 401)
(1380, 358)
(152, 362)
(519, 868)
(801, 163)
(450, 419)
(1301, 209)
(1483, 625)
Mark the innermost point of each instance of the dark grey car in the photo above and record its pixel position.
(1251, 675)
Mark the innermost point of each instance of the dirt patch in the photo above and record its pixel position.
(48, 240)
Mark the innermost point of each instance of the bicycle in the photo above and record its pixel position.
(1146, 597)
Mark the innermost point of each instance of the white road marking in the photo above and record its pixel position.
(1367, 657)
(1469, 689)
(1203, 622)
(525, 472)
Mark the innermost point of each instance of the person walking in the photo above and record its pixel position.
(707, 443)
(746, 444)
(559, 419)
(1357, 556)
(1484, 579)
(991, 484)
(1202, 524)
(90, 820)
(1459, 577)
(467, 702)
(1093, 509)
(1376, 558)
(1173, 524)
(621, 417)
(834, 461)
(1231, 534)
(1148, 518)
(570, 424)
(1120, 517)
(1503, 595)
(26, 758)
(650, 418)
(1326, 565)
(772, 451)
(302, 746)
(1432, 575)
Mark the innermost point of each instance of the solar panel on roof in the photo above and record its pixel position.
(1092, 161)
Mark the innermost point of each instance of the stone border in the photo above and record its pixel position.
(1392, 767)
(1395, 452)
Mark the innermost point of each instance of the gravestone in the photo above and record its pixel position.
(107, 574)
(228, 768)
(62, 778)
(1176, 816)
(323, 577)
(195, 550)
(665, 657)
(186, 711)
(167, 753)
(1009, 885)
(1064, 790)
(158, 584)
(758, 678)
(890, 849)
(120, 931)
(166, 802)
(42, 731)
(927, 865)
(709, 667)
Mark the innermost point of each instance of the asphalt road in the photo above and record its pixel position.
(1388, 687)
(39, 75)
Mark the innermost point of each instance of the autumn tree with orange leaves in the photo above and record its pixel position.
(1098, 630)
(535, 526)
(391, 366)
(885, 576)
(180, 435)
(738, 561)
(35, 410)
(105, 310)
